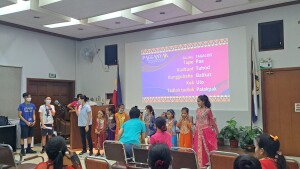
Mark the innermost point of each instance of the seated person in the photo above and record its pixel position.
(161, 136)
(267, 151)
(56, 149)
(159, 157)
(131, 131)
(246, 162)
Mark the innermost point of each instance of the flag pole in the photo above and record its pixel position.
(252, 87)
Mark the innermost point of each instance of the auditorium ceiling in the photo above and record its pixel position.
(83, 19)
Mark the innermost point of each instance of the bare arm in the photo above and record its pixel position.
(120, 133)
(77, 112)
(34, 119)
(89, 118)
(21, 117)
(41, 119)
(143, 137)
(53, 111)
(70, 107)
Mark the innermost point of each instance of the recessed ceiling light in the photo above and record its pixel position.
(36, 17)
(117, 22)
(80, 29)
(162, 13)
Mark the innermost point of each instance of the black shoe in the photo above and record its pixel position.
(23, 153)
(82, 152)
(98, 154)
(30, 151)
(43, 151)
(91, 153)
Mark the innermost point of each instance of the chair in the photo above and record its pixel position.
(222, 159)
(292, 163)
(136, 167)
(140, 153)
(7, 159)
(184, 158)
(93, 162)
(114, 150)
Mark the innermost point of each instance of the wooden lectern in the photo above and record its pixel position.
(75, 138)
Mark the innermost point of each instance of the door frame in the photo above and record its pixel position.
(72, 84)
(49, 80)
(263, 89)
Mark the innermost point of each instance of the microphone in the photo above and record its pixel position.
(56, 102)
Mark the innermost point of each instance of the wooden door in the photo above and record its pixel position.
(61, 90)
(281, 90)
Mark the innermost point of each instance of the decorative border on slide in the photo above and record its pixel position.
(184, 99)
(186, 46)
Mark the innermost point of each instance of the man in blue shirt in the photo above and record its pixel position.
(132, 131)
(26, 112)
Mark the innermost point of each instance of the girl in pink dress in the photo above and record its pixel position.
(101, 130)
(205, 135)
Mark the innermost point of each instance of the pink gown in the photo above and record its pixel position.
(205, 138)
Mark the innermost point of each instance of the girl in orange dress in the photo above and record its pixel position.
(205, 135)
(267, 151)
(121, 117)
(100, 130)
(185, 126)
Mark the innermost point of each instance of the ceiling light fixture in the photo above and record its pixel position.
(63, 24)
(20, 6)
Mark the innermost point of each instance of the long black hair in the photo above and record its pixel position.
(84, 97)
(56, 148)
(150, 108)
(205, 99)
(160, 123)
(246, 162)
(159, 156)
(271, 146)
(112, 110)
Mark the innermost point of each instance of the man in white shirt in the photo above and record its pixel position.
(47, 111)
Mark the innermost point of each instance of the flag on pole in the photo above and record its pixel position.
(117, 94)
(254, 85)
(120, 101)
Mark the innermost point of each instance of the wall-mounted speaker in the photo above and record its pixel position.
(111, 54)
(270, 35)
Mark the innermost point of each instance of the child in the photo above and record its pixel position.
(205, 131)
(100, 131)
(159, 157)
(121, 118)
(131, 131)
(56, 149)
(185, 126)
(164, 115)
(171, 126)
(111, 129)
(47, 111)
(149, 120)
(161, 137)
(246, 162)
(267, 151)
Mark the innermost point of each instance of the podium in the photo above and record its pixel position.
(75, 138)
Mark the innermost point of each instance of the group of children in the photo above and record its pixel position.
(163, 130)
(109, 124)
